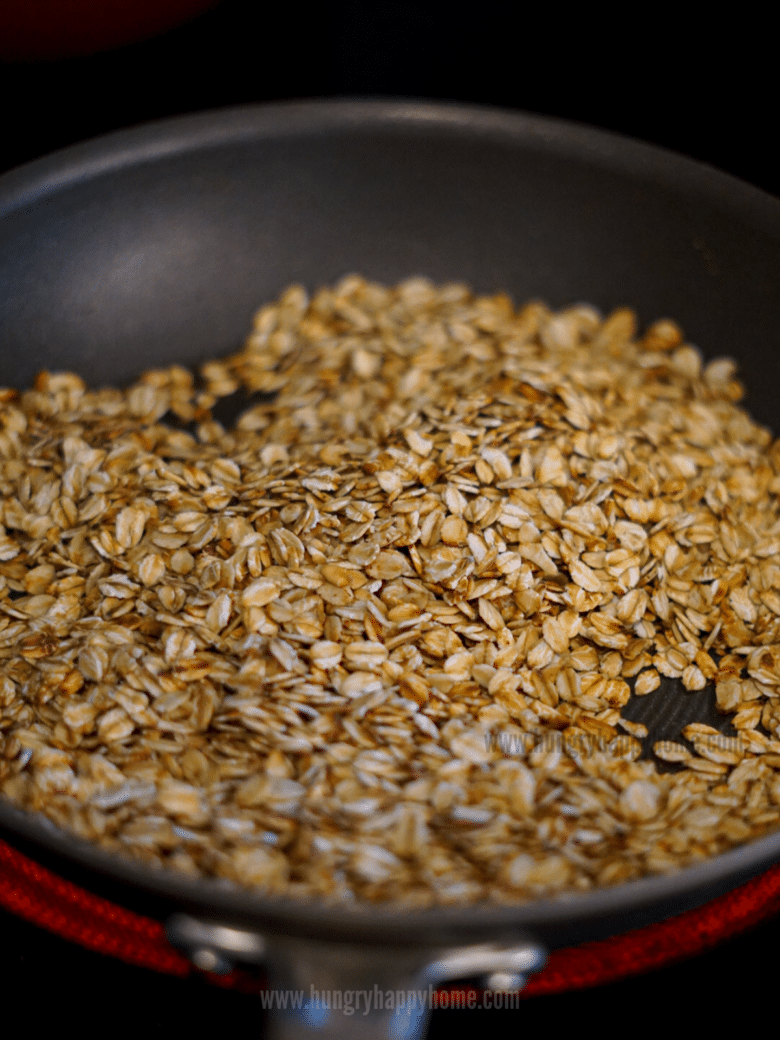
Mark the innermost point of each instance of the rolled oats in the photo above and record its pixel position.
(374, 640)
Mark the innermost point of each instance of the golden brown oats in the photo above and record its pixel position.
(374, 642)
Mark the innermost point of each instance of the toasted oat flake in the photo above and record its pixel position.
(375, 642)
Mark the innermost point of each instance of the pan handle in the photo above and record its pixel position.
(324, 990)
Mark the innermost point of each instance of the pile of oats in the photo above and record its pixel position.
(324, 652)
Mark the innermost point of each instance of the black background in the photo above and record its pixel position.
(703, 89)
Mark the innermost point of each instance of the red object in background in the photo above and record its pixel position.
(36, 894)
(32, 30)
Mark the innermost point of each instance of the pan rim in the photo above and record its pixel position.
(238, 124)
(637, 901)
(31, 184)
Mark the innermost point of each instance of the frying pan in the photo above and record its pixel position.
(155, 245)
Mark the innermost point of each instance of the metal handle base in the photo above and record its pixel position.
(337, 990)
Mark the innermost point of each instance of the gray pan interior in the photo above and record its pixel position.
(155, 245)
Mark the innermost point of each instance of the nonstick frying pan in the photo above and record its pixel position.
(155, 245)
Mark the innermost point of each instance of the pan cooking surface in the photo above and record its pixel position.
(155, 246)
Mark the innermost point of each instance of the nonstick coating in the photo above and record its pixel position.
(156, 245)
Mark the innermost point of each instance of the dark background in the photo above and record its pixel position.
(705, 90)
